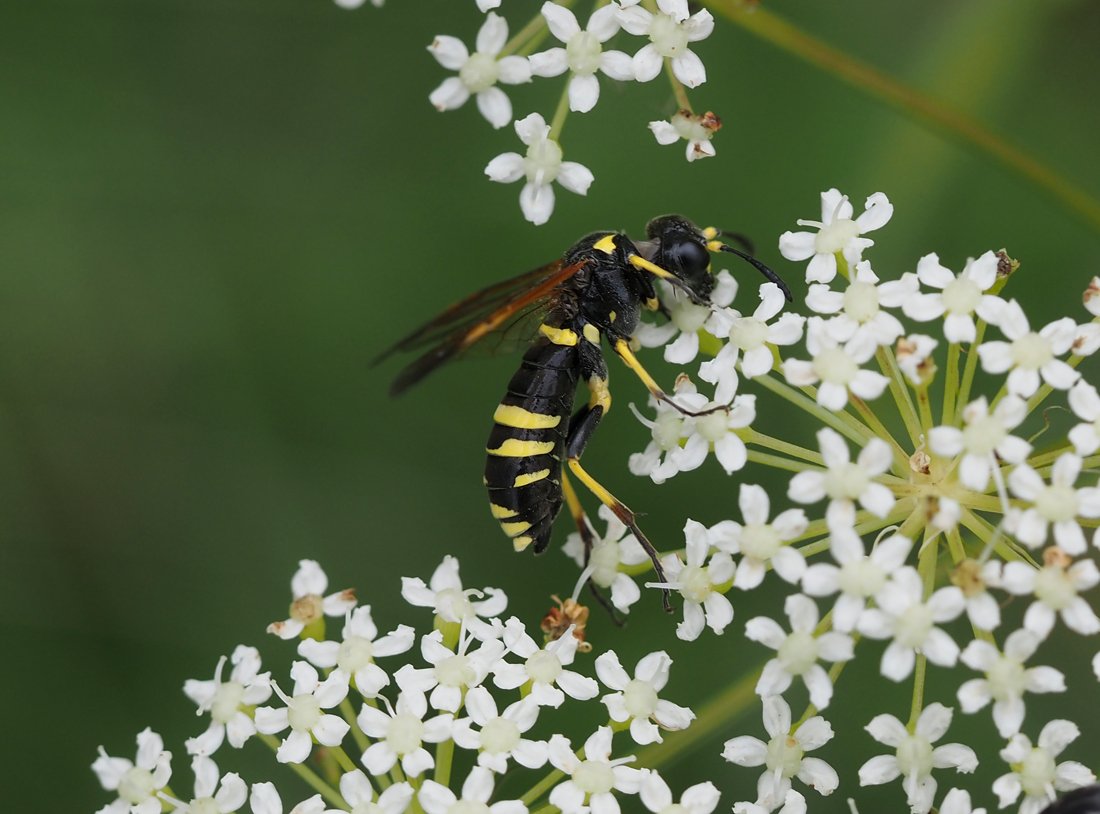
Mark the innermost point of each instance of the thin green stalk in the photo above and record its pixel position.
(1008, 550)
(346, 763)
(889, 366)
(924, 408)
(794, 450)
(443, 758)
(776, 461)
(682, 101)
(560, 114)
(842, 422)
(1087, 463)
(312, 779)
(348, 713)
(951, 384)
(543, 786)
(782, 34)
(970, 369)
(901, 460)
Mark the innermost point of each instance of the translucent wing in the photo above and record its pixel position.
(502, 308)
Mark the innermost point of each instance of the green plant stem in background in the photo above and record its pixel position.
(788, 37)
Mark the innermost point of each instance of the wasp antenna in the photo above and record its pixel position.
(767, 272)
(739, 238)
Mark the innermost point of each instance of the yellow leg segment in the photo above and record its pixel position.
(626, 516)
(577, 511)
(627, 355)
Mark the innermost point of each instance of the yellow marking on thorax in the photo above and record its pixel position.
(530, 477)
(509, 415)
(559, 336)
(600, 394)
(652, 304)
(605, 244)
(518, 448)
(592, 333)
(612, 316)
(520, 543)
(501, 512)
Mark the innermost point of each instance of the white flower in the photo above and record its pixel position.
(983, 439)
(303, 713)
(837, 233)
(793, 803)
(636, 699)
(914, 355)
(500, 735)
(656, 796)
(479, 73)
(445, 594)
(659, 459)
(1057, 504)
(836, 366)
(541, 166)
(696, 130)
(544, 668)
(915, 757)
(715, 431)
(309, 606)
(685, 320)
(1006, 679)
(357, 790)
(750, 340)
(1029, 355)
(697, 582)
(858, 576)
(1085, 403)
(583, 53)
(759, 542)
(591, 780)
(246, 686)
(616, 547)
(1091, 297)
(209, 798)
(1086, 339)
(136, 782)
(959, 297)
(910, 623)
(399, 734)
(264, 799)
(975, 579)
(452, 672)
(669, 31)
(354, 656)
(354, 4)
(859, 307)
(477, 788)
(1035, 772)
(783, 756)
(845, 483)
(797, 652)
(957, 801)
(1056, 588)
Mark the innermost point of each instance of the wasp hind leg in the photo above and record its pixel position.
(580, 431)
(589, 539)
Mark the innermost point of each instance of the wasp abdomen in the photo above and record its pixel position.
(523, 470)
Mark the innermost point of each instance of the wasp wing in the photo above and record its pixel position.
(481, 314)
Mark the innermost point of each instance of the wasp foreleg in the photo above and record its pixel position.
(627, 355)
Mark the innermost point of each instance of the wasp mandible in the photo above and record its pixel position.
(594, 294)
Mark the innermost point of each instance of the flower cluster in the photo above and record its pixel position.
(663, 33)
(910, 524)
(372, 721)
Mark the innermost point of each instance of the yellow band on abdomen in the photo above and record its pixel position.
(517, 448)
(512, 416)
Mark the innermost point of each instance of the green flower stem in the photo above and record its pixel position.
(926, 566)
(342, 757)
(970, 369)
(678, 90)
(1086, 463)
(901, 460)
(443, 758)
(889, 367)
(560, 114)
(782, 34)
(751, 436)
(1044, 458)
(547, 809)
(951, 384)
(1007, 549)
(348, 712)
(842, 422)
(312, 779)
(714, 716)
(543, 786)
(967, 497)
(924, 408)
(525, 37)
(776, 461)
(955, 546)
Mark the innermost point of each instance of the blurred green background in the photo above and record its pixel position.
(214, 213)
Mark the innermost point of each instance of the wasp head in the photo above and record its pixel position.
(680, 247)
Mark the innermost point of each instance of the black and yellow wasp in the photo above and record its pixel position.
(595, 292)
